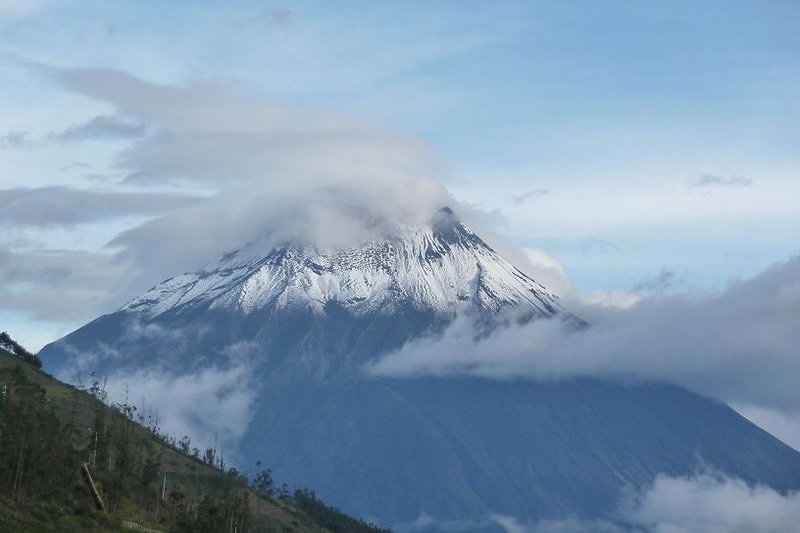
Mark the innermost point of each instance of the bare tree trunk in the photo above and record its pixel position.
(18, 474)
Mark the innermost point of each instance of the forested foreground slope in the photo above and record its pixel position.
(49, 430)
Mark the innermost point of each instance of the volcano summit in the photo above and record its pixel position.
(444, 268)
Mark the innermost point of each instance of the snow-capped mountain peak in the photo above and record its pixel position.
(443, 267)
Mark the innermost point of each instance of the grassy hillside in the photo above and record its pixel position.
(49, 429)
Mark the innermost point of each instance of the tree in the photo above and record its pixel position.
(14, 348)
(37, 452)
(209, 456)
(262, 482)
(185, 444)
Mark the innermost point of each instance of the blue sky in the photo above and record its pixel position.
(623, 139)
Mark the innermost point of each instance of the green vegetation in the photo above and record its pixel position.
(145, 480)
(330, 517)
(14, 349)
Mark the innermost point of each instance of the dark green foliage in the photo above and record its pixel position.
(44, 443)
(330, 517)
(13, 347)
(37, 453)
(215, 514)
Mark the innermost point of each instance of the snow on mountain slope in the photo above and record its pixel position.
(444, 267)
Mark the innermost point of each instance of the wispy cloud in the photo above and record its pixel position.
(198, 404)
(68, 206)
(274, 17)
(659, 283)
(102, 127)
(212, 394)
(739, 346)
(60, 285)
(293, 172)
(524, 198)
(15, 139)
(76, 166)
(595, 245)
(711, 180)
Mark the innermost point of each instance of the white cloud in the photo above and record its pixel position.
(552, 273)
(616, 298)
(544, 268)
(540, 258)
(508, 523)
(291, 172)
(702, 503)
(709, 503)
(705, 502)
(199, 404)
